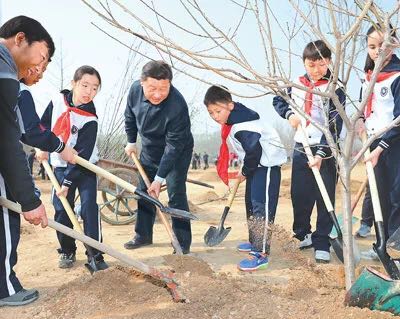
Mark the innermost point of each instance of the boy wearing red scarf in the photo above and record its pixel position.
(256, 145)
(304, 189)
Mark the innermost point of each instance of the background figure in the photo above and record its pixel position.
(31, 159)
(205, 160)
(194, 161)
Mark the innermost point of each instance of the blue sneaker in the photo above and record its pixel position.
(244, 247)
(254, 262)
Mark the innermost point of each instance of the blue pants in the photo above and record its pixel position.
(176, 187)
(87, 187)
(262, 193)
(10, 223)
(305, 193)
(387, 172)
(367, 212)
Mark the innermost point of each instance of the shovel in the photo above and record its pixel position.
(375, 291)
(380, 245)
(171, 234)
(336, 243)
(214, 236)
(165, 276)
(179, 213)
(91, 264)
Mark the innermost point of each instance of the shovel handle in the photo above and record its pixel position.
(376, 204)
(162, 217)
(316, 172)
(359, 194)
(63, 199)
(233, 192)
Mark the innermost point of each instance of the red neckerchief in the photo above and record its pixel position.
(309, 96)
(62, 128)
(223, 157)
(381, 77)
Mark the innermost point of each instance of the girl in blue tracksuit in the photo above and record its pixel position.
(71, 115)
(257, 145)
(382, 108)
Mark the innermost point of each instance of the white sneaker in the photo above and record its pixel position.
(306, 242)
(369, 255)
(322, 256)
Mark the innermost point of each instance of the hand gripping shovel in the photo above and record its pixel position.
(91, 264)
(179, 213)
(166, 277)
(171, 234)
(380, 246)
(336, 243)
(214, 236)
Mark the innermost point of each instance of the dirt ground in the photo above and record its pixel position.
(293, 286)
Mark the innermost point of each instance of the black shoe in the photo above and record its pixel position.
(136, 243)
(66, 260)
(184, 251)
(22, 297)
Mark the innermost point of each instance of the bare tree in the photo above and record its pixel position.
(197, 43)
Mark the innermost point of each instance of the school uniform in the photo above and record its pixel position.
(304, 189)
(258, 146)
(15, 177)
(81, 134)
(382, 108)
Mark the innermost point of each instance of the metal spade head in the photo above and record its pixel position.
(215, 235)
(178, 213)
(337, 246)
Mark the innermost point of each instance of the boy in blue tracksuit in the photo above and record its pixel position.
(255, 144)
(304, 189)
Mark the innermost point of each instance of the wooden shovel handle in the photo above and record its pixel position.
(359, 194)
(63, 199)
(317, 174)
(376, 204)
(162, 217)
(233, 192)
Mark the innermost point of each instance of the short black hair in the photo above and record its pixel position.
(86, 69)
(316, 50)
(217, 94)
(158, 70)
(33, 30)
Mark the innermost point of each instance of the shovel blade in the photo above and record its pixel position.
(337, 245)
(178, 213)
(375, 291)
(215, 236)
(393, 245)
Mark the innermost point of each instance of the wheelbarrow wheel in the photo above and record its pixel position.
(119, 206)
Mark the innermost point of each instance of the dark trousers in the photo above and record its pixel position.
(367, 212)
(262, 193)
(176, 187)
(10, 223)
(87, 187)
(387, 172)
(305, 193)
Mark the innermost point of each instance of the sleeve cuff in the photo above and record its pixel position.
(67, 183)
(320, 152)
(60, 147)
(383, 144)
(288, 114)
(131, 144)
(159, 179)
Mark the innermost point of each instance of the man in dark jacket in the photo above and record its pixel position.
(24, 44)
(159, 113)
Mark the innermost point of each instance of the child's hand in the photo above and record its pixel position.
(373, 157)
(42, 156)
(63, 191)
(129, 148)
(360, 127)
(68, 154)
(316, 162)
(154, 189)
(240, 177)
(294, 121)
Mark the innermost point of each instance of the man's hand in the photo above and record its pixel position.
(68, 154)
(240, 177)
(37, 216)
(294, 121)
(63, 191)
(316, 162)
(129, 148)
(373, 157)
(360, 127)
(154, 189)
(42, 156)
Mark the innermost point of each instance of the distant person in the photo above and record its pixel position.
(158, 112)
(194, 160)
(205, 160)
(261, 169)
(71, 115)
(304, 189)
(31, 159)
(198, 159)
(24, 44)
